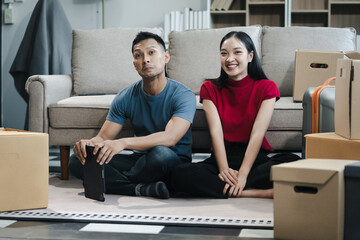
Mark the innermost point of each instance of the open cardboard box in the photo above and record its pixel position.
(24, 170)
(347, 96)
(312, 69)
(309, 199)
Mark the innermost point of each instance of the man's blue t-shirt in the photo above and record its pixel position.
(150, 114)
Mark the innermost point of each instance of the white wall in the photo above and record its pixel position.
(82, 14)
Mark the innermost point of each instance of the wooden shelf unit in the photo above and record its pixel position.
(235, 16)
(270, 13)
(326, 13)
(250, 12)
(345, 14)
(315, 13)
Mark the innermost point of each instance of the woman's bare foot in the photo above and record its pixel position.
(258, 193)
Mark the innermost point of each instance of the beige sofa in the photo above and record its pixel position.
(74, 107)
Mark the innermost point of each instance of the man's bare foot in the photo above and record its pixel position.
(258, 193)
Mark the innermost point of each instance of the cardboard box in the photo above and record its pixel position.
(312, 69)
(309, 199)
(24, 171)
(331, 145)
(352, 200)
(347, 97)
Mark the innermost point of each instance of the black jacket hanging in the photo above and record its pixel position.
(46, 46)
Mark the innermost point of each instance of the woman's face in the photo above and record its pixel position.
(234, 58)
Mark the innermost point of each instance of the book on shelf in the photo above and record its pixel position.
(219, 6)
(227, 5)
(191, 20)
(177, 21)
(213, 5)
(205, 21)
(181, 22)
(167, 27)
(172, 21)
(200, 20)
(187, 18)
(196, 18)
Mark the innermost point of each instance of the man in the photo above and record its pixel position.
(161, 111)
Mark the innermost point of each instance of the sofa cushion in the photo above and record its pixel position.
(287, 115)
(66, 118)
(102, 61)
(279, 45)
(285, 140)
(194, 54)
(284, 132)
(69, 136)
(70, 112)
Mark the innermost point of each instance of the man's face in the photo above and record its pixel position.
(149, 58)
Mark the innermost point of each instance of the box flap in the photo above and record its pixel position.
(16, 132)
(312, 68)
(352, 55)
(355, 101)
(312, 51)
(311, 171)
(331, 136)
(347, 116)
(302, 175)
(342, 96)
(11, 130)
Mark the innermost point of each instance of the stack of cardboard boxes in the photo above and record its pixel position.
(318, 197)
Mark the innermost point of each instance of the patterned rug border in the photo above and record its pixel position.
(46, 215)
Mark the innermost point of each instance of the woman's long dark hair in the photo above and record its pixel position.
(255, 70)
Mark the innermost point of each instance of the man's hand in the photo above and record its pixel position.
(108, 149)
(80, 149)
(229, 176)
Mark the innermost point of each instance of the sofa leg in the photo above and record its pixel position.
(64, 162)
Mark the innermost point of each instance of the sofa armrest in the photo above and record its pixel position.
(44, 90)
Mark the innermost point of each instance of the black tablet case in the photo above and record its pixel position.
(94, 183)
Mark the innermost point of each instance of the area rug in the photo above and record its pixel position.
(67, 202)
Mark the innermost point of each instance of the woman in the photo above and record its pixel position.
(238, 107)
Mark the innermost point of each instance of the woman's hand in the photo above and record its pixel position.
(236, 190)
(229, 176)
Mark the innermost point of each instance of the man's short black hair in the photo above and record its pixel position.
(147, 35)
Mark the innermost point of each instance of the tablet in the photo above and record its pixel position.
(94, 184)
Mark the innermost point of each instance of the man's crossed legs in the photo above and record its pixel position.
(137, 174)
